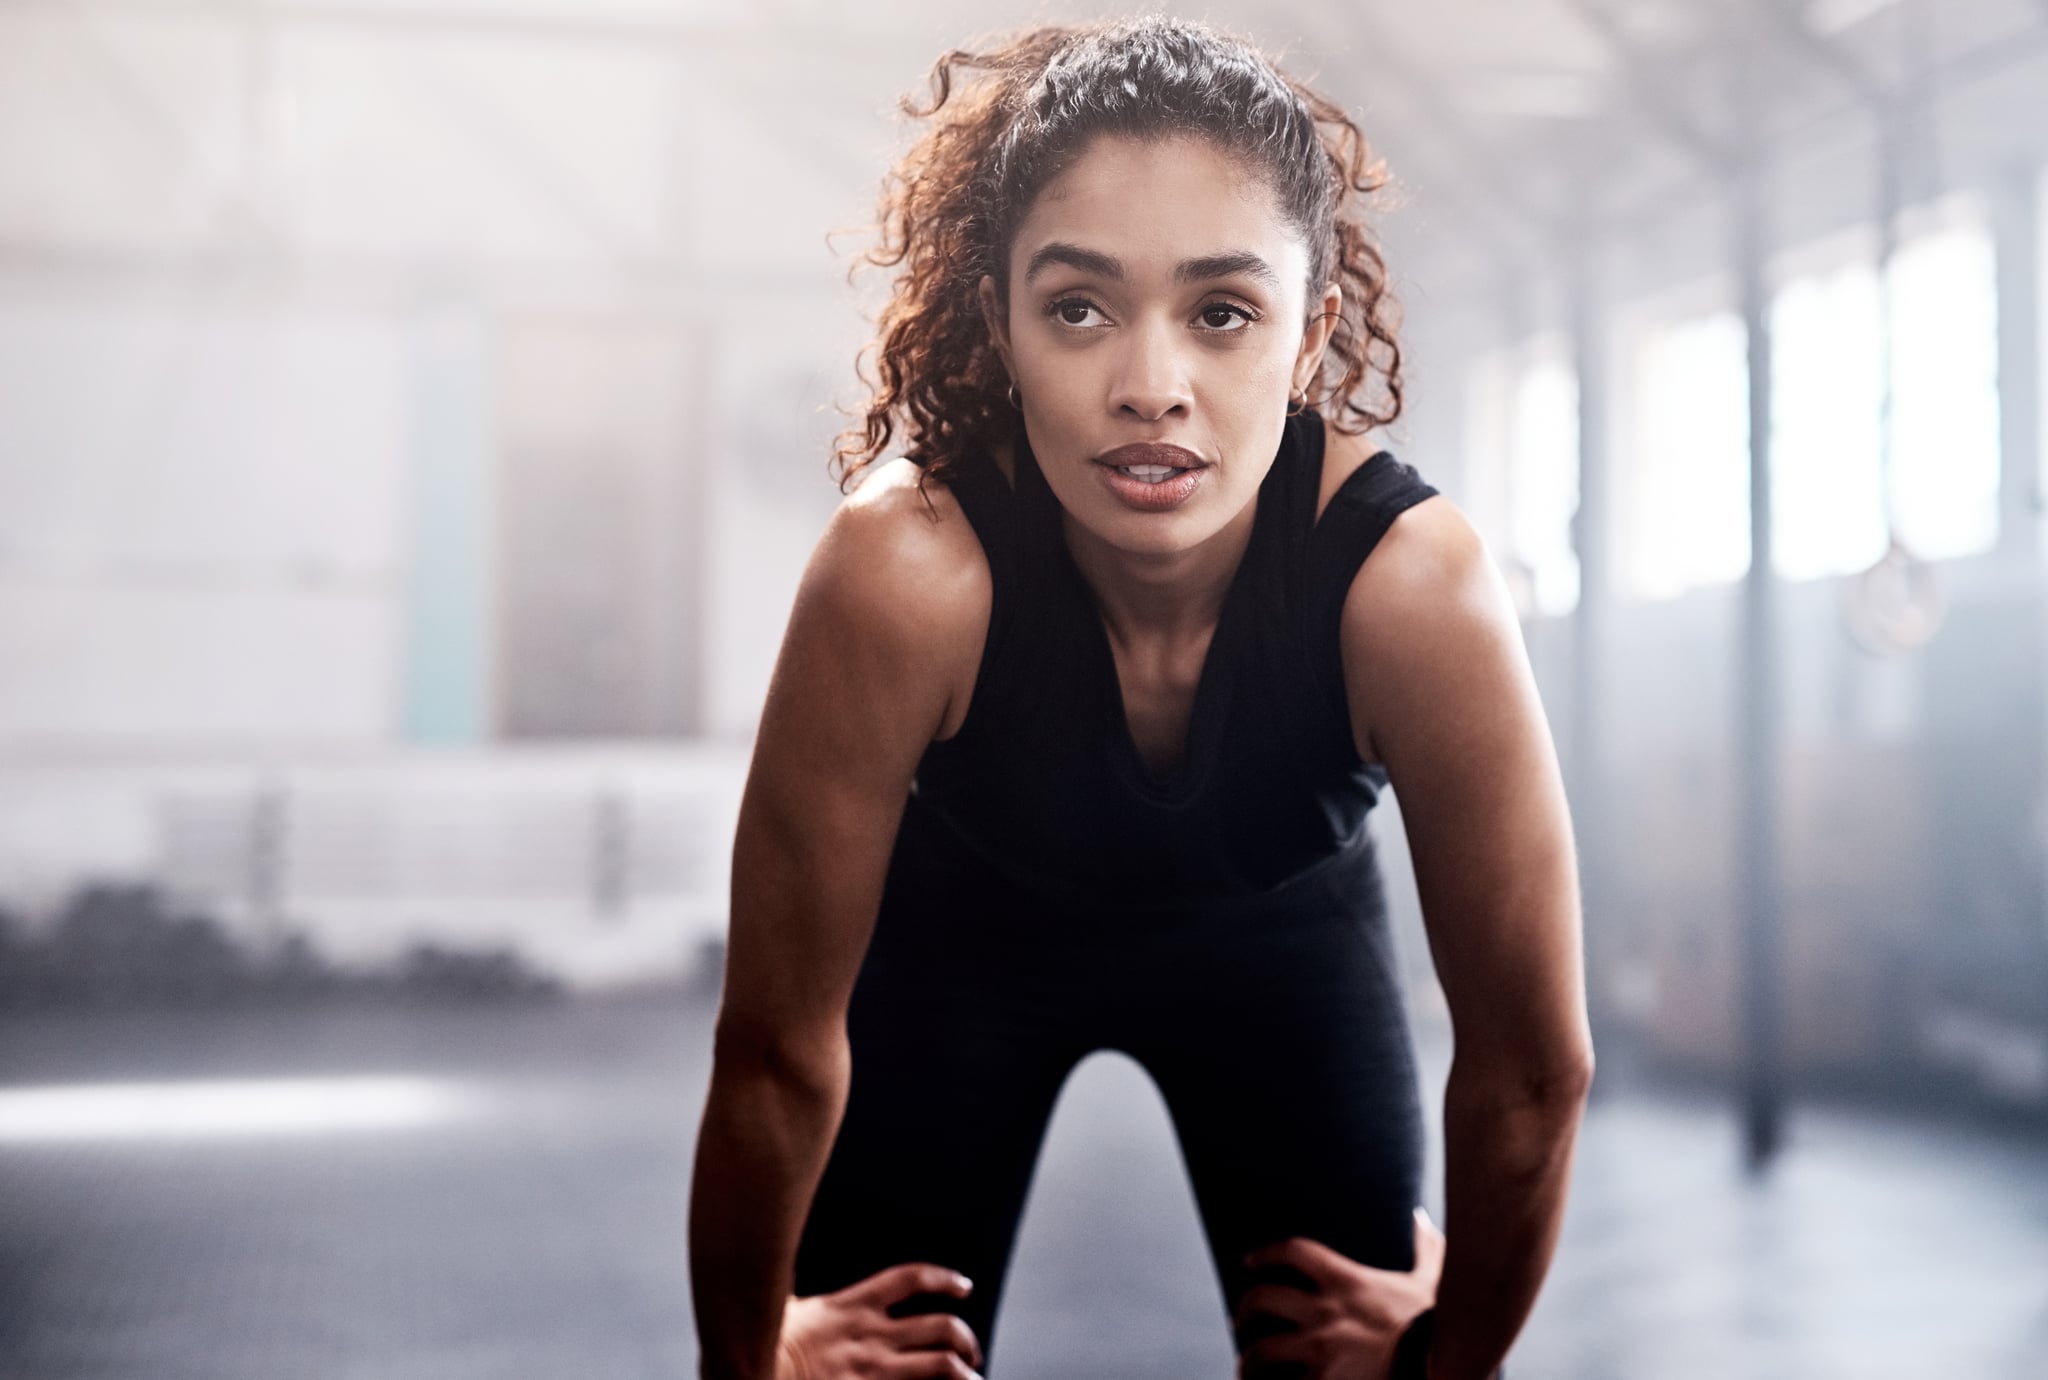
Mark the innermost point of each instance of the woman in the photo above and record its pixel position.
(1071, 742)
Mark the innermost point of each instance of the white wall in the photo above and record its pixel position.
(202, 519)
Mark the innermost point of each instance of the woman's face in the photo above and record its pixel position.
(1155, 318)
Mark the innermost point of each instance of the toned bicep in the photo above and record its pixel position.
(1441, 692)
(867, 668)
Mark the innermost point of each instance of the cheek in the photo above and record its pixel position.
(1279, 365)
(1067, 383)
(1269, 370)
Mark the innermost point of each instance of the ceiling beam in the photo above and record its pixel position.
(1985, 60)
(1472, 167)
(826, 144)
(399, 280)
(721, 38)
(1647, 82)
(1788, 22)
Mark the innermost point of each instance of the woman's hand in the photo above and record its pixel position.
(1347, 1328)
(850, 1335)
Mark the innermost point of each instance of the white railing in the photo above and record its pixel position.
(600, 865)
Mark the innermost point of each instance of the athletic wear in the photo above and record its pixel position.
(1049, 896)
(1043, 780)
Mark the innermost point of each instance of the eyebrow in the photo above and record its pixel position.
(1237, 261)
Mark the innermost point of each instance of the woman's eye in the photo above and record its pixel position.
(1222, 316)
(1073, 311)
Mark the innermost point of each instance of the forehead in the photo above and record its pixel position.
(1152, 203)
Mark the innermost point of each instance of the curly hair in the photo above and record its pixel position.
(1003, 123)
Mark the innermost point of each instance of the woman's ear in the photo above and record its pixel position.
(1322, 324)
(998, 320)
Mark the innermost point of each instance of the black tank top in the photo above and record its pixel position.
(1043, 779)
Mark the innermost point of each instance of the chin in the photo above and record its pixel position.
(1158, 534)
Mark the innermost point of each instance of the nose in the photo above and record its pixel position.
(1151, 379)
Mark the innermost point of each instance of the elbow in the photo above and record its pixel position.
(814, 1064)
(1549, 1085)
(1560, 1079)
(1567, 1082)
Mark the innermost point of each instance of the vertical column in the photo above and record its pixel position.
(611, 852)
(2019, 206)
(2016, 194)
(2036, 310)
(268, 862)
(685, 556)
(1591, 543)
(680, 676)
(446, 693)
(1761, 724)
(2016, 236)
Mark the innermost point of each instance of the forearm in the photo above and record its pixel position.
(766, 1133)
(1507, 1165)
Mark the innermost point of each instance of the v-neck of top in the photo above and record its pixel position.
(1180, 785)
(1043, 784)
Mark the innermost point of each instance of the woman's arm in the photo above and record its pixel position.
(879, 655)
(1441, 692)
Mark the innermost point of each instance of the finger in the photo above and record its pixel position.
(1312, 1258)
(1429, 1244)
(1283, 1348)
(900, 1282)
(1276, 1300)
(926, 1365)
(936, 1330)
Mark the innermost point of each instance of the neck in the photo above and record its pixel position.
(1169, 594)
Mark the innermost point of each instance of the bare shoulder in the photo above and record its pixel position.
(914, 548)
(1429, 547)
(902, 569)
(1428, 625)
(1430, 554)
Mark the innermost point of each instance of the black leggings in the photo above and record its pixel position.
(1273, 1027)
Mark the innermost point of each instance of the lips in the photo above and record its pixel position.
(1151, 476)
(1150, 453)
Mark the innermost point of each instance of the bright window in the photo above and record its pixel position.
(1524, 466)
(1684, 475)
(1945, 382)
(1831, 515)
(1685, 470)
(1543, 479)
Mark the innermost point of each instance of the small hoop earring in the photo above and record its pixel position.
(1011, 396)
(1299, 403)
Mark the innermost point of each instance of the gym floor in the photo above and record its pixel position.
(413, 1193)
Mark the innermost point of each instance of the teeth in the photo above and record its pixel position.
(1151, 474)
